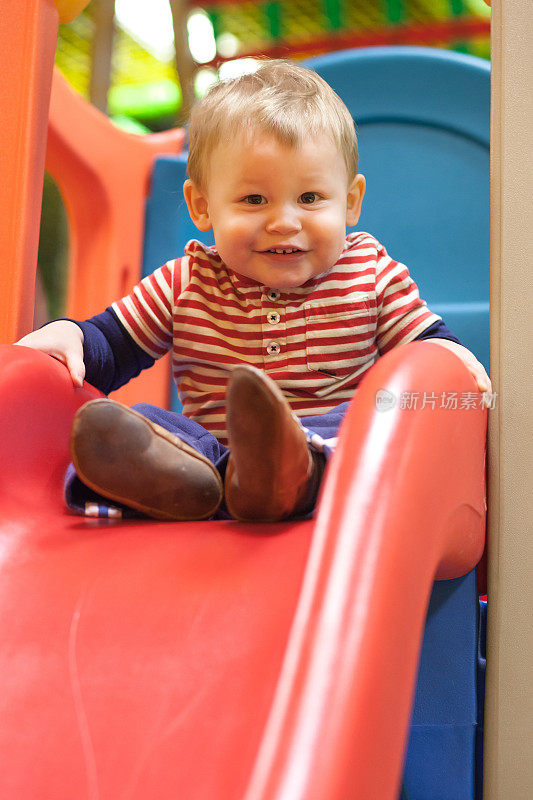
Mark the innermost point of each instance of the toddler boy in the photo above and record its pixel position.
(277, 323)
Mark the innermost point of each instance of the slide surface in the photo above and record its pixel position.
(221, 660)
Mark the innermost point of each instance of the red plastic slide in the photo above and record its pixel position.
(217, 660)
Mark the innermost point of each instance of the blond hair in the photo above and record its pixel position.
(288, 101)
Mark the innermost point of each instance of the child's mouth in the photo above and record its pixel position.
(283, 251)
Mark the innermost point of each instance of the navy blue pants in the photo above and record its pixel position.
(321, 431)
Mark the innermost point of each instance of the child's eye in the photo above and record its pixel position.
(308, 197)
(254, 199)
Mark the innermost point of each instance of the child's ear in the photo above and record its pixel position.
(354, 199)
(197, 204)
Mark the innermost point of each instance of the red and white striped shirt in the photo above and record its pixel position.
(315, 341)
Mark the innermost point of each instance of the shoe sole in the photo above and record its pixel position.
(129, 459)
(257, 441)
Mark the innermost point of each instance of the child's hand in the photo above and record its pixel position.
(62, 340)
(475, 368)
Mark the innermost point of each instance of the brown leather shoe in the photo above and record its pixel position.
(270, 474)
(126, 457)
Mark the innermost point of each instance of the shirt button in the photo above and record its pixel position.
(273, 317)
(273, 294)
(273, 348)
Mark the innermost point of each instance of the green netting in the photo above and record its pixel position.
(315, 22)
(131, 63)
(246, 22)
(421, 11)
(295, 21)
(260, 25)
(364, 16)
(395, 11)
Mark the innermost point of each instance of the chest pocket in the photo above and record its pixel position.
(337, 334)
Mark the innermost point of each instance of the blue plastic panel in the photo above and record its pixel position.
(440, 762)
(168, 226)
(423, 120)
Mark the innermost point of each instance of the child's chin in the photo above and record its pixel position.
(288, 285)
(292, 281)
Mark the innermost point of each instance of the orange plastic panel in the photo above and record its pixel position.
(143, 659)
(102, 171)
(103, 174)
(28, 35)
(69, 9)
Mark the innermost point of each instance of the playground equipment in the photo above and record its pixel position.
(104, 175)
(64, 653)
(298, 28)
(295, 28)
(143, 660)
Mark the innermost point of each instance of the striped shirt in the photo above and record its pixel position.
(315, 341)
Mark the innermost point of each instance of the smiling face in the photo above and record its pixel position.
(278, 212)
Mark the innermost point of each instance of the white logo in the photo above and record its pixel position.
(385, 400)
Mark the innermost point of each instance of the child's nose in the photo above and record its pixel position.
(284, 219)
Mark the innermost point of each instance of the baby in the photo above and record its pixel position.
(270, 331)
